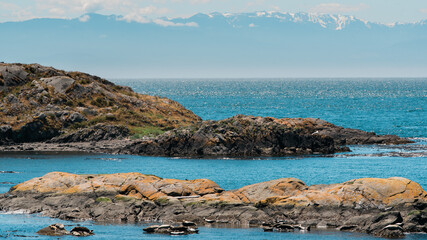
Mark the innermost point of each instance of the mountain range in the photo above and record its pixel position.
(258, 44)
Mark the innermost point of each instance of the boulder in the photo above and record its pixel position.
(59, 83)
(12, 75)
(390, 231)
(76, 117)
(56, 229)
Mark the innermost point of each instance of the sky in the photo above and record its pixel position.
(381, 11)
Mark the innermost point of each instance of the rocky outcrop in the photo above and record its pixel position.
(38, 103)
(99, 132)
(382, 207)
(341, 135)
(237, 136)
(56, 229)
(256, 136)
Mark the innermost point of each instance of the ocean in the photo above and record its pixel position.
(385, 106)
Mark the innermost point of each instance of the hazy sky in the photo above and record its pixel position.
(385, 11)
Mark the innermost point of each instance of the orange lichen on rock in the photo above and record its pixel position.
(358, 193)
(292, 192)
(134, 185)
(279, 187)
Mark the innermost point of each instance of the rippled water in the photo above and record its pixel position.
(21, 226)
(386, 106)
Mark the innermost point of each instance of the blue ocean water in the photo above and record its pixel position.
(385, 106)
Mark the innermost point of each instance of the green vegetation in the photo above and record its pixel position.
(219, 203)
(139, 132)
(162, 201)
(195, 204)
(414, 212)
(100, 102)
(84, 81)
(103, 199)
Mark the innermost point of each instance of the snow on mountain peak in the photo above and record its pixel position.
(328, 21)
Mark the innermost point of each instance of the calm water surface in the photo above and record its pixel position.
(386, 106)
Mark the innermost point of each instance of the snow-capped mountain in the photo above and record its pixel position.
(220, 44)
(329, 21)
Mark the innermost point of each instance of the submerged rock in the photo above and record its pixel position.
(382, 207)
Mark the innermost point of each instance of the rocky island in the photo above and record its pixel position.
(382, 207)
(41, 103)
(46, 109)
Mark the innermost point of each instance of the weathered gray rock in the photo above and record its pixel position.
(87, 111)
(6, 134)
(391, 231)
(76, 117)
(59, 83)
(35, 131)
(341, 135)
(12, 75)
(98, 132)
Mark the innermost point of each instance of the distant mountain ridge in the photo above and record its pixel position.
(263, 43)
(238, 20)
(329, 21)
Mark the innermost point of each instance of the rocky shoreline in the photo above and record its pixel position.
(238, 136)
(46, 109)
(382, 207)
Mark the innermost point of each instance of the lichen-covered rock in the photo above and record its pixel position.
(361, 193)
(135, 185)
(382, 207)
